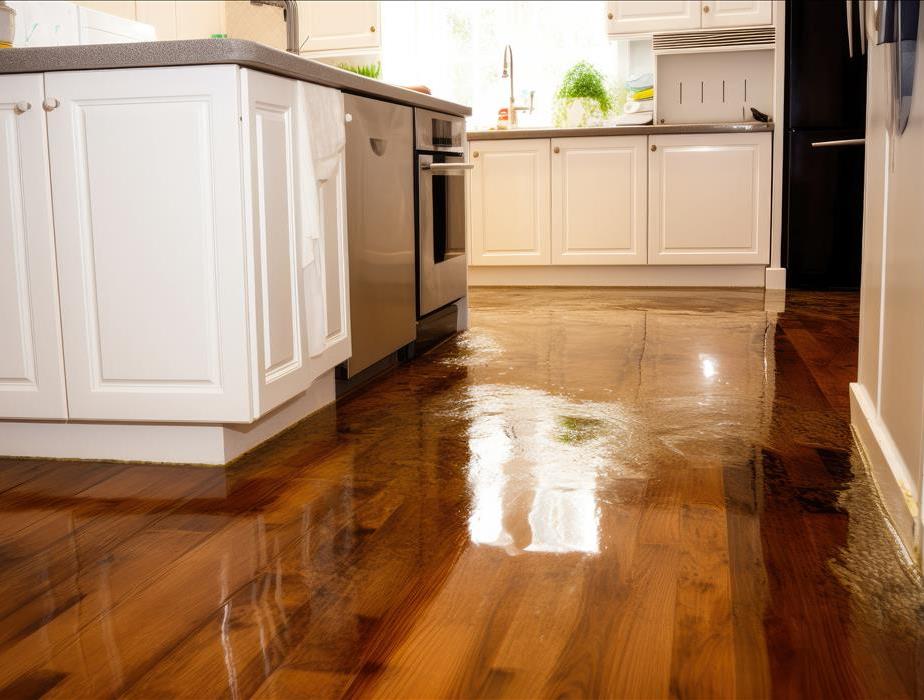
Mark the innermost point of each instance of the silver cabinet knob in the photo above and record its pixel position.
(50, 103)
(347, 117)
(22, 107)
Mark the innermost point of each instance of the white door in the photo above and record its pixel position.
(336, 25)
(628, 17)
(31, 358)
(736, 13)
(510, 202)
(600, 200)
(709, 199)
(146, 183)
(335, 281)
(280, 337)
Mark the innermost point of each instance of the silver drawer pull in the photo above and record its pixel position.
(447, 167)
(842, 142)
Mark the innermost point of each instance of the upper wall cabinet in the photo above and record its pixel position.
(334, 27)
(634, 17)
(736, 13)
(646, 16)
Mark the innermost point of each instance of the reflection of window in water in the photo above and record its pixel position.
(538, 457)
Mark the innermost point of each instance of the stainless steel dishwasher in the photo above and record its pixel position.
(380, 220)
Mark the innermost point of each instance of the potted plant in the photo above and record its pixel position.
(582, 99)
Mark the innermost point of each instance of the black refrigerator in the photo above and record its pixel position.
(823, 186)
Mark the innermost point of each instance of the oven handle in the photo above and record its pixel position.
(446, 168)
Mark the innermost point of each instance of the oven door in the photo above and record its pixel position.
(441, 260)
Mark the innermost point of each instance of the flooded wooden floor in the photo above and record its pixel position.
(592, 493)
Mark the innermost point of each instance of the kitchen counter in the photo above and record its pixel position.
(554, 132)
(195, 52)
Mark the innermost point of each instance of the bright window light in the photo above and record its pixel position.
(457, 49)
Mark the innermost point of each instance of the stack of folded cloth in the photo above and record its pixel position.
(639, 108)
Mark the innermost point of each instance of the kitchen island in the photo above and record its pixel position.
(164, 298)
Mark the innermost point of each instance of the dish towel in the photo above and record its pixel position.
(635, 106)
(321, 138)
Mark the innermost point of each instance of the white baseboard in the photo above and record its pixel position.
(179, 443)
(775, 278)
(889, 471)
(617, 276)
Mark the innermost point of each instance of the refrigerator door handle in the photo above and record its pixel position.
(841, 142)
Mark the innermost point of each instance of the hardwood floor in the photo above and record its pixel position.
(592, 493)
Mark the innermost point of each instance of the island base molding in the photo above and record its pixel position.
(617, 276)
(890, 473)
(176, 443)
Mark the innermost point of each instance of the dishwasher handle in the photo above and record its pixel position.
(447, 168)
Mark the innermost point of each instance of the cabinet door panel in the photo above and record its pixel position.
(335, 271)
(736, 13)
(510, 202)
(147, 194)
(709, 199)
(335, 25)
(599, 202)
(31, 358)
(646, 16)
(280, 339)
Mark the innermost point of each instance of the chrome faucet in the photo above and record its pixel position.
(290, 14)
(508, 73)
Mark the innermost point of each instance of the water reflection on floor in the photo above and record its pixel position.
(599, 493)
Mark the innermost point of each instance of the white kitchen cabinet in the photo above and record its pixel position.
(270, 192)
(147, 190)
(633, 17)
(709, 199)
(599, 200)
(335, 281)
(736, 13)
(510, 202)
(31, 358)
(338, 26)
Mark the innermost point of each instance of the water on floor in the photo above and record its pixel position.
(597, 493)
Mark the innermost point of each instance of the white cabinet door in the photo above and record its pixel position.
(510, 202)
(709, 199)
(628, 17)
(736, 13)
(146, 183)
(338, 25)
(335, 281)
(31, 359)
(599, 200)
(280, 337)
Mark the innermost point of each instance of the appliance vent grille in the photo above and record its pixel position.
(716, 38)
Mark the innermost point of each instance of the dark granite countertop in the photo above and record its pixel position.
(195, 52)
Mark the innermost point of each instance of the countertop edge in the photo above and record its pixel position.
(199, 52)
(545, 133)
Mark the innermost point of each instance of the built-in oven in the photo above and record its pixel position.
(441, 209)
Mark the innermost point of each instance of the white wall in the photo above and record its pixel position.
(888, 397)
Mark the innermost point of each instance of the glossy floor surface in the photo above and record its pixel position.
(592, 493)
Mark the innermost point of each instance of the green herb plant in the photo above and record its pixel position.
(370, 70)
(585, 85)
